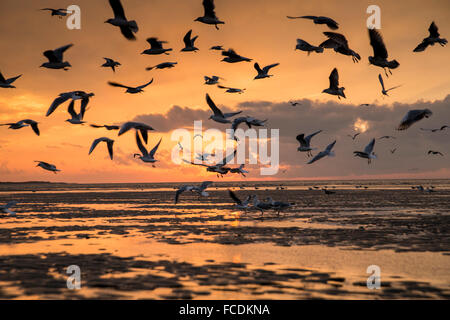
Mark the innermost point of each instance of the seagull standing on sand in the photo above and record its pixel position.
(242, 205)
(47, 166)
(164, 65)
(385, 91)
(5, 208)
(200, 190)
(6, 83)
(279, 206)
(74, 95)
(431, 39)
(145, 156)
(320, 20)
(232, 57)
(156, 47)
(209, 16)
(218, 116)
(109, 143)
(261, 206)
(110, 63)
(131, 90)
(138, 126)
(189, 42)
(334, 85)
(305, 143)
(325, 153)
(128, 28)
(302, 45)
(380, 54)
(263, 73)
(56, 57)
(339, 43)
(412, 117)
(23, 123)
(367, 153)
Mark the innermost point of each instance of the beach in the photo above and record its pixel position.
(131, 241)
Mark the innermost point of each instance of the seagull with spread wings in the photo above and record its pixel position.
(264, 72)
(163, 65)
(380, 53)
(434, 37)
(209, 16)
(334, 88)
(22, 124)
(56, 57)
(138, 126)
(156, 47)
(6, 83)
(339, 43)
(131, 90)
(57, 12)
(47, 166)
(385, 91)
(200, 190)
(305, 143)
(232, 57)
(302, 45)
(110, 63)
(412, 117)
(74, 95)
(319, 20)
(189, 42)
(146, 156)
(367, 153)
(109, 142)
(325, 153)
(218, 116)
(354, 136)
(435, 152)
(127, 28)
(239, 204)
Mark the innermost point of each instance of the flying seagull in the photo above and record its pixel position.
(23, 123)
(261, 206)
(5, 208)
(339, 43)
(47, 166)
(239, 203)
(219, 168)
(320, 20)
(249, 121)
(110, 63)
(109, 143)
(239, 170)
(218, 48)
(189, 42)
(302, 45)
(435, 152)
(57, 12)
(218, 116)
(367, 153)
(74, 95)
(412, 117)
(385, 91)
(107, 127)
(212, 80)
(209, 16)
(146, 156)
(434, 130)
(263, 73)
(76, 118)
(56, 57)
(380, 54)
(325, 153)
(130, 89)
(163, 65)
(294, 103)
(232, 90)
(6, 83)
(138, 126)
(387, 137)
(232, 57)
(128, 28)
(431, 39)
(200, 190)
(354, 136)
(305, 142)
(156, 47)
(334, 85)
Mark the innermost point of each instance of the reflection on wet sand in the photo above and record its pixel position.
(132, 244)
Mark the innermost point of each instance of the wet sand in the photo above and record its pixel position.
(132, 242)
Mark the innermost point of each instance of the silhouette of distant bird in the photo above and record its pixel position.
(55, 58)
(211, 80)
(339, 43)
(131, 90)
(320, 20)
(107, 127)
(6, 83)
(380, 54)
(232, 57)
(209, 16)
(412, 117)
(189, 42)
(334, 88)
(367, 153)
(128, 28)
(354, 136)
(22, 124)
(218, 48)
(110, 63)
(156, 47)
(47, 166)
(263, 73)
(435, 152)
(326, 153)
(57, 12)
(431, 39)
(232, 90)
(164, 65)
(302, 45)
(109, 142)
(385, 91)
(434, 130)
(393, 150)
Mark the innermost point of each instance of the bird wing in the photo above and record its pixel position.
(377, 43)
(33, 124)
(50, 55)
(234, 197)
(257, 67)
(205, 184)
(179, 191)
(84, 103)
(11, 80)
(117, 9)
(230, 53)
(153, 151)
(127, 33)
(433, 29)
(329, 22)
(71, 109)
(145, 85)
(301, 138)
(318, 156)
(231, 114)
(329, 43)
(110, 144)
(208, 6)
(393, 88)
(140, 145)
(2, 79)
(380, 78)
(270, 66)
(95, 143)
(126, 127)
(337, 37)
(187, 39)
(308, 138)
(213, 107)
(421, 47)
(369, 148)
(334, 79)
(60, 51)
(61, 99)
(228, 158)
(155, 43)
(115, 84)
(330, 146)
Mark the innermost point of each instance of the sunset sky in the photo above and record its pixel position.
(256, 29)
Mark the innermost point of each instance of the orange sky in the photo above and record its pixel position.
(254, 28)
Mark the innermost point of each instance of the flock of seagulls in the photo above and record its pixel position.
(129, 28)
